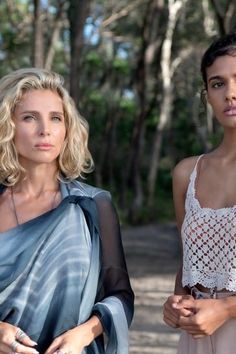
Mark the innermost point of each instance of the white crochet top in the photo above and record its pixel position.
(209, 243)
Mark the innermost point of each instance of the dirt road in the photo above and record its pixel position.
(152, 254)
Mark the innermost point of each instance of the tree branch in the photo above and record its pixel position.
(122, 13)
(184, 53)
(55, 35)
(219, 16)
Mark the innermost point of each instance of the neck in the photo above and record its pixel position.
(38, 180)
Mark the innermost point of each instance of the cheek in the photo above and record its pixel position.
(63, 135)
(60, 135)
(21, 137)
(211, 100)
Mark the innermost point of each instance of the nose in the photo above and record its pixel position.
(44, 128)
(230, 93)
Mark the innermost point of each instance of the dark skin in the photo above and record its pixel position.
(216, 190)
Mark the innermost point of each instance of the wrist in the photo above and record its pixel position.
(229, 305)
(89, 330)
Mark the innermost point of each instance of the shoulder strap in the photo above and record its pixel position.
(193, 175)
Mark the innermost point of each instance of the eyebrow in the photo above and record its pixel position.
(218, 77)
(37, 112)
(59, 113)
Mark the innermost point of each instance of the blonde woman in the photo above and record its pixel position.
(63, 279)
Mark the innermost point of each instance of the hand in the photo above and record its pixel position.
(14, 340)
(76, 339)
(177, 306)
(70, 342)
(209, 315)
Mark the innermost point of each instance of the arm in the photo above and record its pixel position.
(114, 280)
(115, 299)
(171, 313)
(113, 309)
(181, 175)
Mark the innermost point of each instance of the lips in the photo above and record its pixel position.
(46, 145)
(230, 111)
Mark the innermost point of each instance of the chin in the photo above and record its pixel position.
(37, 161)
(229, 123)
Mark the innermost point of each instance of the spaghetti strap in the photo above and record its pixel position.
(197, 162)
(193, 176)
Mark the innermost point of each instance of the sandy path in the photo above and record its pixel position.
(152, 254)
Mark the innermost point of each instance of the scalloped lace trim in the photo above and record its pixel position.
(209, 243)
(190, 279)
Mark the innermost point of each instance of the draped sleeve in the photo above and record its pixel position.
(115, 299)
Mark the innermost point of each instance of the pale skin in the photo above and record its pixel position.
(39, 137)
(215, 189)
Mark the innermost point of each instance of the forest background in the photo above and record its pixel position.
(132, 67)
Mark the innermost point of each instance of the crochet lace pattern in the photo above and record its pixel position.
(209, 243)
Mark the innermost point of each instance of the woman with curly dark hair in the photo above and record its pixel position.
(204, 301)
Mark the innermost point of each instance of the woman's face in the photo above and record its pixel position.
(221, 89)
(39, 127)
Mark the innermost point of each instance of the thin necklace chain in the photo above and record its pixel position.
(14, 204)
(14, 207)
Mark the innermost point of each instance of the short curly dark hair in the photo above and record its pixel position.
(225, 45)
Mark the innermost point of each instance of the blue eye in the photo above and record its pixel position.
(57, 118)
(29, 117)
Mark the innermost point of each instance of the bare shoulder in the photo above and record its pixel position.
(184, 168)
(181, 177)
(181, 174)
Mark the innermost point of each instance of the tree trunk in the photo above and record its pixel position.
(223, 15)
(208, 20)
(219, 17)
(55, 35)
(110, 151)
(38, 45)
(167, 69)
(203, 130)
(77, 14)
(158, 138)
(108, 146)
(141, 76)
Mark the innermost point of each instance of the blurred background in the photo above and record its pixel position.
(132, 67)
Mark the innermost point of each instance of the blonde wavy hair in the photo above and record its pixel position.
(74, 159)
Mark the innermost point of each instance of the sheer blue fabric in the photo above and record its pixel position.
(52, 275)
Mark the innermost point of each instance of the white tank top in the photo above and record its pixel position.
(209, 243)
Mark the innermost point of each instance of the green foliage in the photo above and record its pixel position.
(94, 60)
(121, 66)
(15, 35)
(110, 80)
